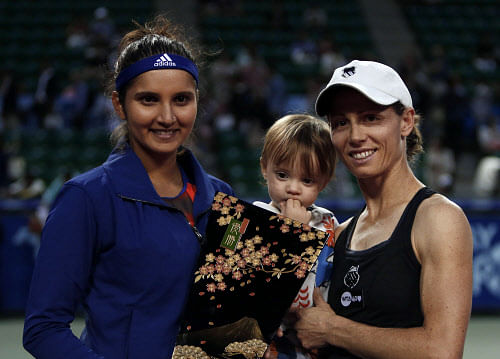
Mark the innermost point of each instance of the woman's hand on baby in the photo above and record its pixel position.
(294, 209)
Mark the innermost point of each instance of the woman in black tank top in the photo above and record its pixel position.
(402, 281)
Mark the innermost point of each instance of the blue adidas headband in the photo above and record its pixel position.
(156, 62)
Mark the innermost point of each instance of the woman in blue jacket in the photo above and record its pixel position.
(122, 239)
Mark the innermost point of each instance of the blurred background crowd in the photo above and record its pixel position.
(265, 59)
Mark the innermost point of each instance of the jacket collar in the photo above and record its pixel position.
(130, 179)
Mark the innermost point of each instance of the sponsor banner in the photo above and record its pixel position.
(486, 285)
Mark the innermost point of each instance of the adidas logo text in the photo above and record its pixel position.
(165, 60)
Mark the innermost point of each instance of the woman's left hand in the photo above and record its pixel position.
(314, 325)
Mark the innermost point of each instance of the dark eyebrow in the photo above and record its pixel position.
(145, 93)
(153, 93)
(185, 93)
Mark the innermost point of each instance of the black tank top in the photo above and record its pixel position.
(379, 286)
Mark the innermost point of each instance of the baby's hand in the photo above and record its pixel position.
(294, 209)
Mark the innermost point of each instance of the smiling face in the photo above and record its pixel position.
(285, 181)
(370, 138)
(160, 108)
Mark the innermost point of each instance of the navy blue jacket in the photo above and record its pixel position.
(112, 245)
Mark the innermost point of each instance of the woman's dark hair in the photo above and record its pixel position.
(414, 141)
(155, 37)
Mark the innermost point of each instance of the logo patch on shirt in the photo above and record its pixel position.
(352, 298)
(351, 278)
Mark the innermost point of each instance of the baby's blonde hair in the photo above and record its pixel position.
(304, 140)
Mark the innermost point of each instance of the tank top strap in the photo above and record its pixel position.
(406, 222)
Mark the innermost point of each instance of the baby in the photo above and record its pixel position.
(297, 162)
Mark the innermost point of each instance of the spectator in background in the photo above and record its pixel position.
(25, 105)
(101, 36)
(77, 37)
(9, 84)
(47, 89)
(250, 88)
(482, 103)
(440, 166)
(28, 186)
(221, 74)
(81, 104)
(458, 126)
(329, 57)
(304, 102)
(303, 50)
(30, 234)
(72, 103)
(100, 115)
(485, 59)
(489, 136)
(437, 69)
(256, 75)
(278, 92)
(101, 27)
(487, 176)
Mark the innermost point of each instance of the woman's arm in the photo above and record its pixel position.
(60, 279)
(443, 243)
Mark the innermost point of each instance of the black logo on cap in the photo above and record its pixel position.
(349, 71)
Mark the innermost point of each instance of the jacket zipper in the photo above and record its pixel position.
(199, 236)
(201, 239)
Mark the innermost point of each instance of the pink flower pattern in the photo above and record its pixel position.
(219, 267)
(299, 273)
(210, 268)
(237, 275)
(285, 228)
(221, 286)
(239, 208)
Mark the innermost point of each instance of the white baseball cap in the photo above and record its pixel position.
(379, 82)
